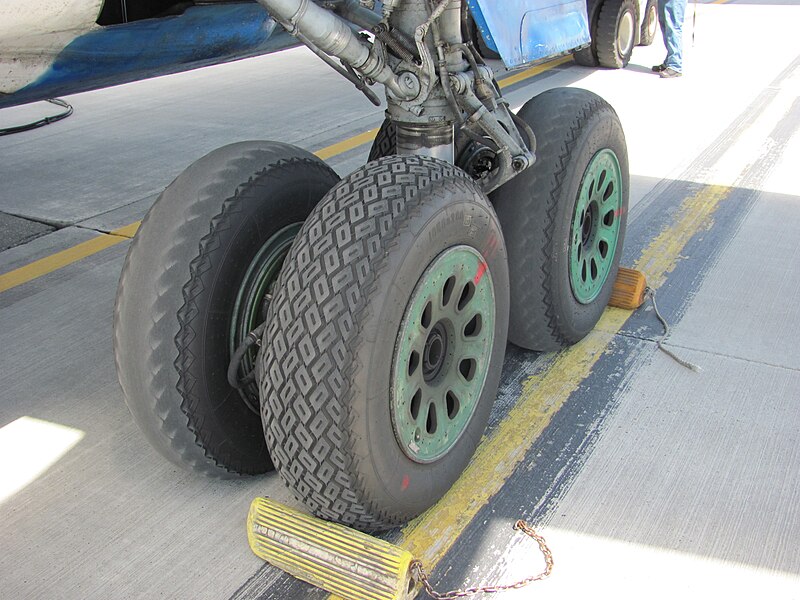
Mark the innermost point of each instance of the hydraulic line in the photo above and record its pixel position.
(333, 36)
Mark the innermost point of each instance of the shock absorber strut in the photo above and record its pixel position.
(434, 140)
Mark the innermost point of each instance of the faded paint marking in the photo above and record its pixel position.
(479, 274)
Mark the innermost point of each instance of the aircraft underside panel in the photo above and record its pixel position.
(115, 54)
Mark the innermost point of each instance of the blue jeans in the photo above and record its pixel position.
(670, 15)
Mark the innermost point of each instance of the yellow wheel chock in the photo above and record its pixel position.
(629, 290)
(351, 564)
(333, 557)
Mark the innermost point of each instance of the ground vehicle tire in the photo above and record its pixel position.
(586, 57)
(555, 223)
(354, 304)
(616, 33)
(649, 23)
(186, 281)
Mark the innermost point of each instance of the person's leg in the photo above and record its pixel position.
(662, 20)
(671, 15)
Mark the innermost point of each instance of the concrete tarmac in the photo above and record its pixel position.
(646, 478)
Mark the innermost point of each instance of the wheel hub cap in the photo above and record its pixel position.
(625, 33)
(435, 352)
(595, 226)
(442, 354)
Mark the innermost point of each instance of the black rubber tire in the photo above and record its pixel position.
(609, 53)
(329, 346)
(385, 142)
(175, 297)
(586, 57)
(536, 208)
(649, 23)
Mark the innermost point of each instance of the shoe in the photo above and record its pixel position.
(670, 72)
(658, 68)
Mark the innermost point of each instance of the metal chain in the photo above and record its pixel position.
(420, 574)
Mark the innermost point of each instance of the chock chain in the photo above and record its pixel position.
(420, 574)
(651, 293)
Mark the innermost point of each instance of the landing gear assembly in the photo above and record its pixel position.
(351, 333)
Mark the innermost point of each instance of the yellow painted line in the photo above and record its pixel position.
(431, 535)
(127, 231)
(348, 144)
(83, 250)
(61, 259)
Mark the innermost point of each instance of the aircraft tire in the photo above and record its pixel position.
(385, 142)
(348, 342)
(564, 237)
(193, 283)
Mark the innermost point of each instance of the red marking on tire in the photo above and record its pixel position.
(404, 485)
(479, 274)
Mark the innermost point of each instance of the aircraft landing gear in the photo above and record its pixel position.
(382, 301)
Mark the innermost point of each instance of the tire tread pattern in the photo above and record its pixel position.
(385, 142)
(309, 371)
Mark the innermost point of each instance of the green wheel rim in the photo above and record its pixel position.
(595, 226)
(442, 354)
(249, 309)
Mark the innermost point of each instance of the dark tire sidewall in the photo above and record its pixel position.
(607, 44)
(627, 8)
(586, 57)
(263, 206)
(168, 284)
(650, 9)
